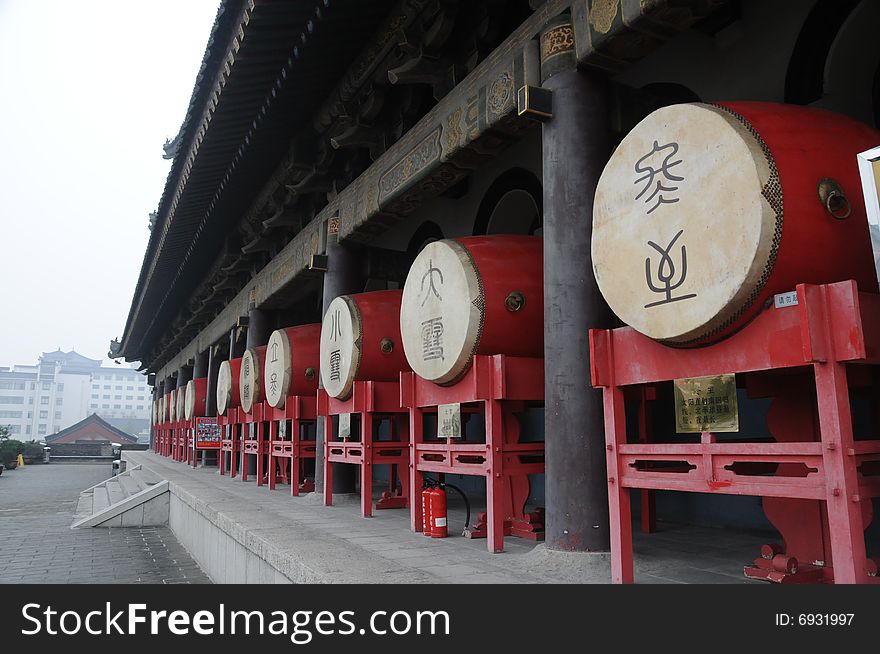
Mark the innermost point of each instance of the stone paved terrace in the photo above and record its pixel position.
(308, 542)
(37, 545)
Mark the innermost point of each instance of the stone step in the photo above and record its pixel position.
(115, 491)
(100, 498)
(84, 505)
(145, 477)
(130, 485)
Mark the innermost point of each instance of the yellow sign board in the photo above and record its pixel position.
(706, 404)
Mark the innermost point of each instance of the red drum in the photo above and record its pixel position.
(227, 385)
(172, 406)
(474, 295)
(705, 212)
(250, 377)
(195, 401)
(180, 408)
(292, 359)
(360, 340)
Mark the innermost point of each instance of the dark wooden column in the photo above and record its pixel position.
(259, 327)
(200, 368)
(575, 149)
(214, 359)
(200, 371)
(344, 276)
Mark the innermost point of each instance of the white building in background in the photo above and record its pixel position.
(65, 387)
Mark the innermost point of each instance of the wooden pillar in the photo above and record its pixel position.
(575, 150)
(343, 277)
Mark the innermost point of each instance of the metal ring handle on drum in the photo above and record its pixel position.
(834, 199)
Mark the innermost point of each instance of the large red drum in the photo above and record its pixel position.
(473, 295)
(292, 360)
(172, 406)
(195, 398)
(227, 385)
(250, 377)
(180, 408)
(360, 340)
(705, 212)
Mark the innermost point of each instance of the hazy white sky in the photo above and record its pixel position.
(88, 94)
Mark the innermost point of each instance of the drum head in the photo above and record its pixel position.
(276, 370)
(249, 380)
(441, 313)
(686, 222)
(189, 400)
(181, 403)
(224, 387)
(340, 347)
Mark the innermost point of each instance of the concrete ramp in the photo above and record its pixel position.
(134, 498)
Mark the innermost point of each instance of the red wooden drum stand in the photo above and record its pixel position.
(373, 402)
(816, 479)
(288, 455)
(505, 385)
(254, 429)
(230, 446)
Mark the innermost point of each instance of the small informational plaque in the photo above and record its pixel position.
(344, 425)
(706, 404)
(449, 421)
(208, 435)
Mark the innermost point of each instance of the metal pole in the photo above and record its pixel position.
(575, 150)
(343, 276)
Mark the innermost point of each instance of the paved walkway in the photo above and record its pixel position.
(37, 504)
(312, 543)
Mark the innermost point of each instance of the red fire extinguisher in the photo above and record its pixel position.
(437, 508)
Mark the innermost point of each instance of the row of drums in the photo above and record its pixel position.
(462, 297)
(701, 216)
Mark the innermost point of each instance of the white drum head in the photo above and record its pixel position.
(172, 406)
(340, 347)
(181, 403)
(441, 313)
(276, 370)
(224, 387)
(684, 232)
(189, 401)
(249, 379)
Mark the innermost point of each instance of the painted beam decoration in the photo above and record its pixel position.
(609, 35)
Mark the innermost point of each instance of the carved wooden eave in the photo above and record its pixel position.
(469, 126)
